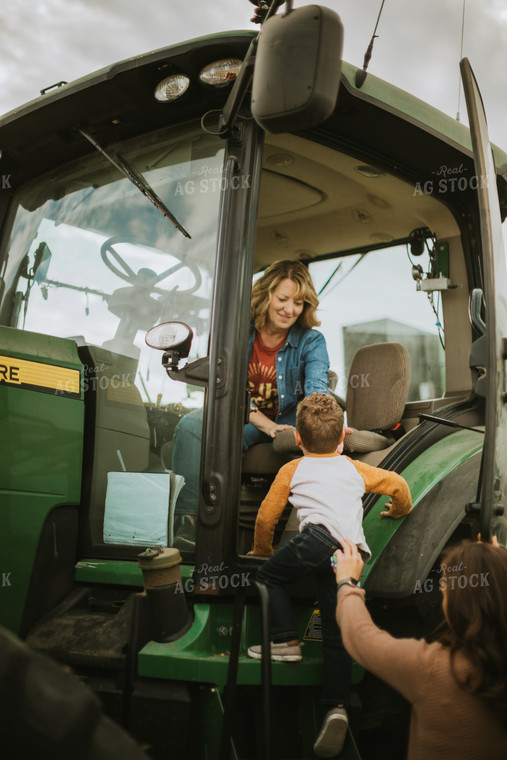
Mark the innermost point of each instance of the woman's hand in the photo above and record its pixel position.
(346, 431)
(266, 425)
(276, 429)
(348, 561)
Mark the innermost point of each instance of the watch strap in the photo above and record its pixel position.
(348, 582)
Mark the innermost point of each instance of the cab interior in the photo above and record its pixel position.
(320, 205)
(323, 206)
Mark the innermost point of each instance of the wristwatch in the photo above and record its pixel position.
(348, 582)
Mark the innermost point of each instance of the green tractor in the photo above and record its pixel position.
(151, 194)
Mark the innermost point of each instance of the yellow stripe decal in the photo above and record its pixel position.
(39, 376)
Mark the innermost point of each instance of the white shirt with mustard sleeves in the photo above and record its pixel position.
(327, 489)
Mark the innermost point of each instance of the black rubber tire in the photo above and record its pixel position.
(46, 712)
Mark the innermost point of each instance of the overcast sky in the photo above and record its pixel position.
(418, 46)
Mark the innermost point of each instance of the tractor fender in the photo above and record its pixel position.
(415, 546)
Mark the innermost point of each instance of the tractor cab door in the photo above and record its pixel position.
(489, 352)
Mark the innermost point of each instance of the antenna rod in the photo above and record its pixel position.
(361, 75)
(460, 57)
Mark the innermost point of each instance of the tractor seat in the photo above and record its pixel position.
(377, 391)
(266, 458)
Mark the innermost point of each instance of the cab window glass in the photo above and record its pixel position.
(373, 298)
(90, 258)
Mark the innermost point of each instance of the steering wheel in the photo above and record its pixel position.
(144, 275)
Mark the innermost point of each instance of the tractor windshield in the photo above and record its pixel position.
(90, 258)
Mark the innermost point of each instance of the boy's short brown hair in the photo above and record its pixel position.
(319, 422)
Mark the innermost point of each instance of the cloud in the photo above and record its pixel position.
(47, 41)
(418, 46)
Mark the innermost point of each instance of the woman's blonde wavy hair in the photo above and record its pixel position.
(272, 277)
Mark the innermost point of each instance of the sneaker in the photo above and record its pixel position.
(184, 544)
(285, 652)
(184, 537)
(331, 739)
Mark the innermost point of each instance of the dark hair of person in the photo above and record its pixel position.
(319, 422)
(272, 277)
(475, 578)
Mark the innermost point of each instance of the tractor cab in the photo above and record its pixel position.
(130, 241)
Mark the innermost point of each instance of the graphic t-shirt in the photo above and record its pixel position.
(262, 377)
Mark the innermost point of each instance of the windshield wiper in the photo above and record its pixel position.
(141, 185)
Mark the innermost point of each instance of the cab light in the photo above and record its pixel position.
(171, 88)
(220, 73)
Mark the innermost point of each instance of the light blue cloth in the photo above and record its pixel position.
(137, 508)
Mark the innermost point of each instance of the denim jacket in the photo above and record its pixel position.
(302, 365)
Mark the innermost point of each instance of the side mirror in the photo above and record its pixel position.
(475, 304)
(297, 69)
(175, 338)
(478, 358)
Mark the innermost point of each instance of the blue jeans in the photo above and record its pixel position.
(187, 456)
(187, 460)
(309, 553)
(252, 436)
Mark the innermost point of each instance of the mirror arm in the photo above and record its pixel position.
(239, 88)
(195, 373)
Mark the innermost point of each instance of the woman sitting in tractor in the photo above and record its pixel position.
(287, 360)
